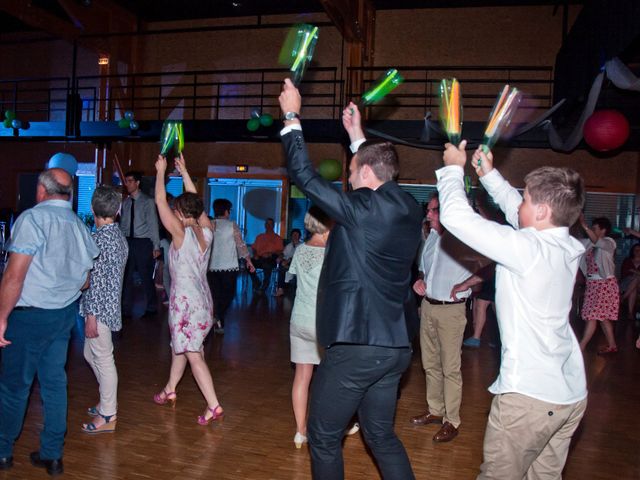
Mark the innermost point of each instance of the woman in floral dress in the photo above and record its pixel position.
(601, 296)
(190, 304)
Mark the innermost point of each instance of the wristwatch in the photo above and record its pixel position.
(290, 116)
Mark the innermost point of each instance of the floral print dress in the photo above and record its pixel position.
(601, 297)
(190, 304)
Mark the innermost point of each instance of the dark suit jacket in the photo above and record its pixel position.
(364, 293)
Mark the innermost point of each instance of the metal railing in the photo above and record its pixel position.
(36, 99)
(200, 95)
(233, 94)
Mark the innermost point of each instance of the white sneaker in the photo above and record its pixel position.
(355, 428)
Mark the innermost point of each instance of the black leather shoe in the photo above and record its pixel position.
(6, 463)
(54, 467)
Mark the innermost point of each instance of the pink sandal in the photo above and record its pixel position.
(216, 414)
(607, 350)
(165, 397)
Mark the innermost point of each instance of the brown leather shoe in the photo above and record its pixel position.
(425, 419)
(447, 433)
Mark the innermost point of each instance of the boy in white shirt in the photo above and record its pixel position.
(540, 392)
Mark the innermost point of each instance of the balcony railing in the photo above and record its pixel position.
(234, 94)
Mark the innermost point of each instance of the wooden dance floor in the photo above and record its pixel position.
(252, 376)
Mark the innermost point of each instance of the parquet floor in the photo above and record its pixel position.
(252, 375)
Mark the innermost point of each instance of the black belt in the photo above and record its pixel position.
(24, 308)
(433, 301)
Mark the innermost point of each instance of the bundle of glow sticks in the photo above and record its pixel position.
(297, 50)
(172, 139)
(385, 84)
(501, 115)
(451, 109)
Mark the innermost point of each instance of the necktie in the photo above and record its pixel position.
(133, 217)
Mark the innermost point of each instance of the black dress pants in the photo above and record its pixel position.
(140, 259)
(223, 289)
(267, 264)
(362, 379)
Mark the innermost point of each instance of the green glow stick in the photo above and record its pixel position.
(383, 86)
(172, 138)
(297, 50)
(306, 43)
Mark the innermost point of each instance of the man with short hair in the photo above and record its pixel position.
(52, 253)
(447, 267)
(366, 314)
(266, 248)
(139, 223)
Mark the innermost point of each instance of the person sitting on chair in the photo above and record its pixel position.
(266, 249)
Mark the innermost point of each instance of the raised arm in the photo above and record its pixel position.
(507, 197)
(181, 165)
(301, 171)
(167, 217)
(352, 123)
(204, 220)
(590, 233)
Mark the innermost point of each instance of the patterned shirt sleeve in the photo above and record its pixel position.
(241, 247)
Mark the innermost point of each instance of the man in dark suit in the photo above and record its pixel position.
(366, 315)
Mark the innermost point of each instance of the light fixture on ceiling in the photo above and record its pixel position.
(103, 60)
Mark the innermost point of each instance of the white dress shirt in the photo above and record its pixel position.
(535, 274)
(446, 262)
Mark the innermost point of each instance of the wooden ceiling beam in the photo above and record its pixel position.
(100, 17)
(40, 19)
(348, 16)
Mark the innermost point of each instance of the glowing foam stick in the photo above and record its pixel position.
(383, 86)
(451, 109)
(501, 115)
(467, 184)
(297, 50)
(172, 138)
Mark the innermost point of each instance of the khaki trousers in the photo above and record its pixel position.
(98, 352)
(441, 333)
(528, 438)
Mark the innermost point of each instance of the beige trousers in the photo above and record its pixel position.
(528, 438)
(441, 333)
(98, 352)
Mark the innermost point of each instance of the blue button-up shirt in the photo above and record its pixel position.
(62, 251)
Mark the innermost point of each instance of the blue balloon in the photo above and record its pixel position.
(16, 123)
(128, 115)
(65, 161)
(133, 125)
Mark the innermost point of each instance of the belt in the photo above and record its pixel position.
(24, 308)
(433, 301)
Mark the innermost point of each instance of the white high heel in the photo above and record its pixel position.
(299, 439)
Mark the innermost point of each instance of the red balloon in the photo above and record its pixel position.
(606, 130)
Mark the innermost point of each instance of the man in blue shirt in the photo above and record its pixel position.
(52, 253)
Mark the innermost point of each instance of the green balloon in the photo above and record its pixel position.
(7, 123)
(266, 120)
(9, 114)
(253, 124)
(330, 169)
(124, 123)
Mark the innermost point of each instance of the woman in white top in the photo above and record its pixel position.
(305, 352)
(602, 295)
(228, 246)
